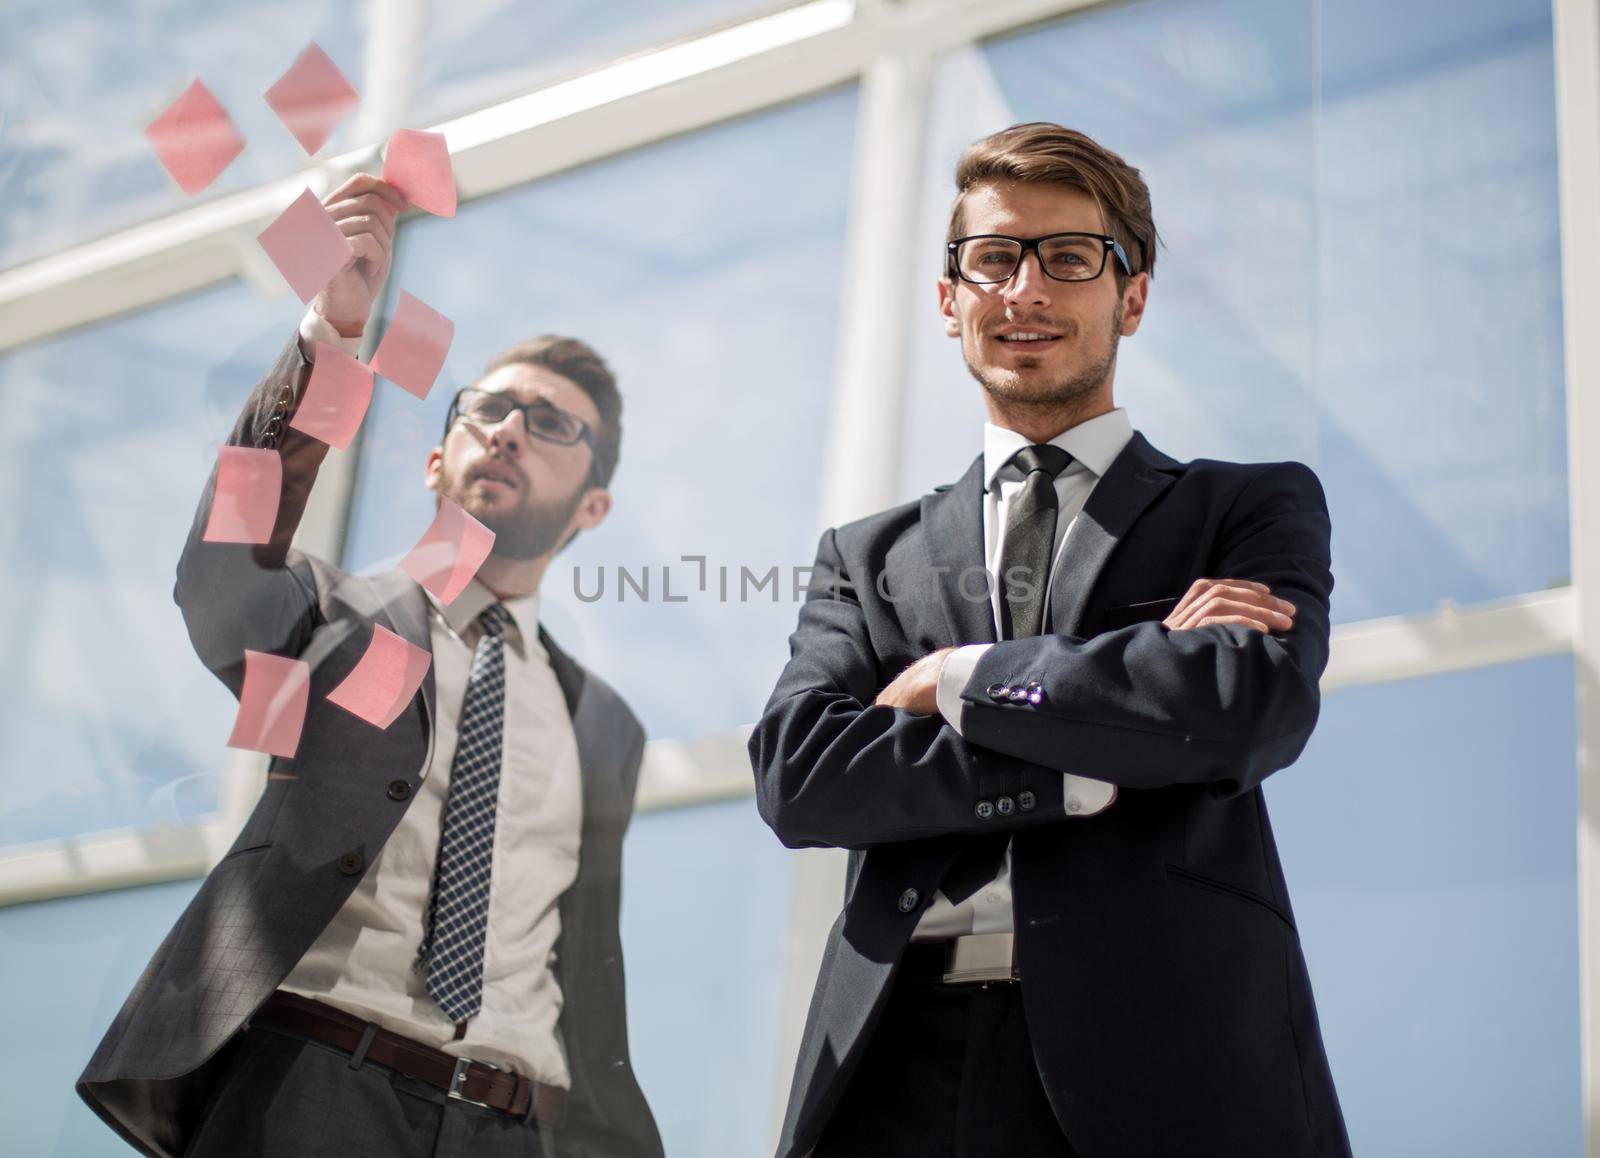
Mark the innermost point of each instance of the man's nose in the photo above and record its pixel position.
(508, 433)
(1028, 284)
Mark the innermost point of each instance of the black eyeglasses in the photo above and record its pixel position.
(990, 258)
(541, 419)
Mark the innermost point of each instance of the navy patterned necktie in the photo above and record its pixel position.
(458, 906)
(1026, 551)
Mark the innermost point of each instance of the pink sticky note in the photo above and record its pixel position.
(195, 138)
(306, 245)
(383, 682)
(418, 164)
(413, 347)
(449, 553)
(245, 503)
(312, 97)
(336, 397)
(272, 704)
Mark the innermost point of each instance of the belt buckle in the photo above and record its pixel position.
(458, 1081)
(979, 958)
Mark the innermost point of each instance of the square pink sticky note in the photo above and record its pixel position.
(383, 682)
(244, 505)
(336, 397)
(272, 704)
(449, 553)
(306, 245)
(413, 347)
(195, 138)
(312, 97)
(418, 164)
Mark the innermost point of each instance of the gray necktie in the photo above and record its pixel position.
(1025, 554)
(458, 906)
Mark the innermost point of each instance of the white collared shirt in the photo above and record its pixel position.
(362, 961)
(1094, 444)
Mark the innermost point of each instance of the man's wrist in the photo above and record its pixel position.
(954, 675)
(315, 328)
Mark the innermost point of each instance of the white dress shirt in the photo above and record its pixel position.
(362, 961)
(1094, 445)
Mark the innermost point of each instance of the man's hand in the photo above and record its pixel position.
(916, 688)
(1240, 601)
(365, 208)
(1207, 602)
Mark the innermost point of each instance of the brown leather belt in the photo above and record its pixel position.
(460, 1078)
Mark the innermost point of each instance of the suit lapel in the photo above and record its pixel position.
(1131, 484)
(952, 531)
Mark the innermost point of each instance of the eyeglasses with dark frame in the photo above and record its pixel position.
(542, 420)
(991, 258)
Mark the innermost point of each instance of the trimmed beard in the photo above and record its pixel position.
(525, 532)
(1069, 393)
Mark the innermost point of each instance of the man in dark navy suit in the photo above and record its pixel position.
(1040, 725)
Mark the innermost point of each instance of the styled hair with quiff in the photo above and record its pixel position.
(1043, 153)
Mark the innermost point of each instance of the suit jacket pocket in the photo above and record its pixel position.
(1179, 873)
(1127, 614)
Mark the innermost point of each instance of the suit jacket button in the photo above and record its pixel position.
(1005, 806)
(1074, 804)
(998, 691)
(1036, 696)
(1025, 800)
(399, 790)
(909, 899)
(351, 863)
(1017, 694)
(985, 809)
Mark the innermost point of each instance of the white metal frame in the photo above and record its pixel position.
(889, 46)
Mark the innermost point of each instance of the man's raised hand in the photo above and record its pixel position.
(365, 209)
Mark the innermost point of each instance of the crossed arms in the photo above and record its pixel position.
(1207, 702)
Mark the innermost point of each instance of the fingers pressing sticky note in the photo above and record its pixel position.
(449, 553)
(244, 505)
(418, 164)
(312, 98)
(195, 139)
(306, 245)
(383, 682)
(272, 704)
(413, 347)
(336, 397)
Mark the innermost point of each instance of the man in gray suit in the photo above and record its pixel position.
(412, 946)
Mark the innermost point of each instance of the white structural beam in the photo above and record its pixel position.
(1577, 48)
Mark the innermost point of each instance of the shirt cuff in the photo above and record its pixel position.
(955, 675)
(315, 328)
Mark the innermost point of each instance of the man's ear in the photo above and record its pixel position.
(592, 508)
(433, 468)
(947, 307)
(1134, 295)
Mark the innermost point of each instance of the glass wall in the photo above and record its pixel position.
(106, 438)
(1361, 271)
(706, 270)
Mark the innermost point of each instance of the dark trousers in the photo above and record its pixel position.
(949, 1073)
(282, 1094)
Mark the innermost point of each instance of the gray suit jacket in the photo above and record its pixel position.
(322, 822)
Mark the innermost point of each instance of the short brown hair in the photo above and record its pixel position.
(1044, 153)
(577, 362)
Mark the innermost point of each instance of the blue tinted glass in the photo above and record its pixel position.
(710, 285)
(79, 83)
(107, 436)
(486, 51)
(67, 965)
(1428, 836)
(1361, 267)
(705, 926)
